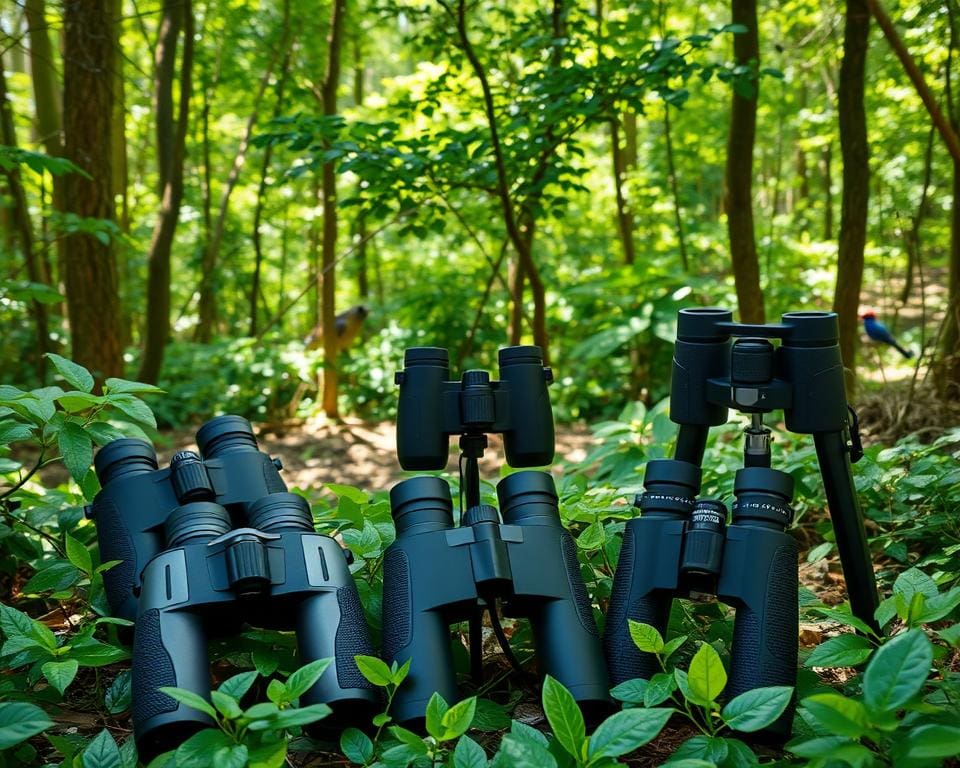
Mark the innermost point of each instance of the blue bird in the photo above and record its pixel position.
(879, 332)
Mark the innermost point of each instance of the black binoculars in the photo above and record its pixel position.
(681, 545)
(432, 408)
(435, 574)
(219, 565)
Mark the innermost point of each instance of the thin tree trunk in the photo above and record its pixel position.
(624, 215)
(856, 182)
(208, 310)
(674, 189)
(120, 170)
(828, 191)
(360, 223)
(912, 235)
(739, 175)
(20, 213)
(331, 80)
(171, 150)
(93, 304)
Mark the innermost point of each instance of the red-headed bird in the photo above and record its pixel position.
(879, 332)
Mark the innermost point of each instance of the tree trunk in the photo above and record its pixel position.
(23, 227)
(171, 150)
(90, 273)
(360, 223)
(328, 90)
(674, 189)
(828, 191)
(739, 175)
(856, 182)
(120, 170)
(912, 235)
(624, 215)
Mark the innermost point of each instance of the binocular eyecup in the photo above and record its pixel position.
(195, 523)
(126, 456)
(763, 497)
(528, 497)
(670, 488)
(280, 512)
(415, 356)
(421, 504)
(226, 434)
(520, 355)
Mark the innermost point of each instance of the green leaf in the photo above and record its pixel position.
(76, 449)
(626, 731)
(469, 754)
(190, 699)
(16, 624)
(436, 708)
(939, 606)
(739, 755)
(847, 650)
(55, 577)
(93, 653)
(230, 757)
(834, 748)
(645, 637)
(293, 717)
(60, 673)
(409, 739)
(710, 748)
(458, 718)
(303, 679)
(198, 750)
(399, 673)
(135, 409)
(661, 687)
(374, 669)
(266, 661)
(117, 697)
(951, 635)
(756, 709)
(75, 375)
(277, 692)
(356, 746)
(671, 646)
(913, 581)
(838, 714)
(564, 716)
(19, 721)
(79, 555)
(74, 402)
(238, 685)
(522, 753)
(897, 671)
(261, 710)
(226, 705)
(843, 616)
(123, 386)
(102, 752)
(932, 742)
(273, 754)
(707, 677)
(630, 691)
(348, 491)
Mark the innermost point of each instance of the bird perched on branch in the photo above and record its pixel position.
(879, 332)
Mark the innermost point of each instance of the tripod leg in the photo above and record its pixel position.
(848, 527)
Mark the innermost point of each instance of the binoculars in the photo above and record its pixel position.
(681, 545)
(223, 557)
(432, 408)
(436, 574)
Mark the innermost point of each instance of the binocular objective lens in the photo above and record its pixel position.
(126, 456)
(224, 434)
(670, 488)
(763, 497)
(421, 504)
(528, 498)
(280, 512)
(703, 543)
(195, 523)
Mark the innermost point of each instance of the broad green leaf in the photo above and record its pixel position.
(660, 688)
(671, 646)
(75, 375)
(398, 673)
(897, 671)
(79, 555)
(190, 699)
(265, 661)
(645, 637)
(93, 653)
(261, 710)
(710, 748)
(843, 616)
(951, 634)
(756, 709)
(296, 716)
(409, 739)
(838, 714)
(356, 746)
(58, 576)
(932, 742)
(939, 607)
(238, 685)
(630, 691)
(198, 750)
(846, 650)
(706, 676)
(133, 408)
(16, 624)
(270, 755)
(277, 692)
(436, 708)
(348, 491)
(117, 697)
(458, 718)
(123, 386)
(303, 679)
(234, 756)
(739, 755)
(102, 752)
(834, 748)
(469, 754)
(564, 716)
(19, 721)
(76, 449)
(374, 669)
(60, 673)
(226, 705)
(521, 753)
(74, 402)
(913, 581)
(626, 731)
